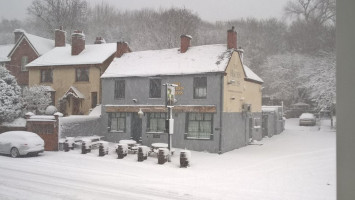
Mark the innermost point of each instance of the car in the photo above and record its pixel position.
(20, 143)
(307, 119)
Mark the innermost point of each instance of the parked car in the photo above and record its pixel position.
(307, 119)
(18, 143)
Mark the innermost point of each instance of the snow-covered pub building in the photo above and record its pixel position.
(218, 106)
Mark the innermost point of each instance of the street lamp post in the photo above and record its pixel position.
(169, 103)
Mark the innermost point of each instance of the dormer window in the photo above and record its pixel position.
(82, 74)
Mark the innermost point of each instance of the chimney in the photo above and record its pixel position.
(99, 40)
(122, 48)
(77, 42)
(18, 33)
(231, 39)
(241, 52)
(185, 43)
(59, 37)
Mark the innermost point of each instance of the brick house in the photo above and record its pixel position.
(73, 72)
(27, 48)
(218, 106)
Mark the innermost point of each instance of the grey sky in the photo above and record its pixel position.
(209, 10)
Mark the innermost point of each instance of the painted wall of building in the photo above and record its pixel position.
(64, 78)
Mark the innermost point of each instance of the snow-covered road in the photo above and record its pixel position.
(297, 164)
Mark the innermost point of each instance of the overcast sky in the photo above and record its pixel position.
(209, 10)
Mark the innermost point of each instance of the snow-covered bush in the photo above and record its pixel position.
(10, 96)
(36, 98)
(50, 110)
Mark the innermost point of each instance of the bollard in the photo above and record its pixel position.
(185, 158)
(121, 151)
(66, 146)
(142, 153)
(83, 148)
(162, 156)
(101, 150)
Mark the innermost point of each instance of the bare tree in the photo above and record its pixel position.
(315, 11)
(71, 14)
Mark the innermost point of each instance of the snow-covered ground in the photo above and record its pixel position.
(298, 164)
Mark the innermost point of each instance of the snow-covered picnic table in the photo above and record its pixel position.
(132, 144)
(156, 146)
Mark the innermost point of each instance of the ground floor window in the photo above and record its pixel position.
(117, 122)
(156, 122)
(199, 125)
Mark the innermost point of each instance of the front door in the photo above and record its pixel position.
(264, 125)
(136, 127)
(76, 106)
(250, 128)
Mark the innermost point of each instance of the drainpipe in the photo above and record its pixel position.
(221, 117)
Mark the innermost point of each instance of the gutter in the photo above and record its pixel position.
(221, 112)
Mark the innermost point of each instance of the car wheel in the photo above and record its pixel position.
(14, 152)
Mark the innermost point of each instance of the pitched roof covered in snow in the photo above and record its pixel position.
(39, 44)
(197, 60)
(61, 56)
(4, 52)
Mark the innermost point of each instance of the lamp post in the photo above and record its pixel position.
(169, 103)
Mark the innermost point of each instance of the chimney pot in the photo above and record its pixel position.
(99, 40)
(185, 43)
(231, 38)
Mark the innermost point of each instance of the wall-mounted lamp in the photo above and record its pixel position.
(140, 113)
(232, 98)
(231, 82)
(135, 100)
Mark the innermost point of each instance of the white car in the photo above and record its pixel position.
(307, 119)
(18, 143)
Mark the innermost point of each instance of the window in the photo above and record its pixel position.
(46, 75)
(82, 74)
(24, 61)
(117, 122)
(199, 126)
(200, 87)
(156, 122)
(120, 89)
(155, 88)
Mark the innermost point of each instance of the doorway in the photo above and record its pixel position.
(136, 127)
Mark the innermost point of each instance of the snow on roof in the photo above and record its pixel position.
(4, 51)
(75, 92)
(251, 75)
(59, 56)
(198, 59)
(48, 88)
(42, 45)
(96, 111)
(41, 118)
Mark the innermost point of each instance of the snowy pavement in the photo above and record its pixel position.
(298, 164)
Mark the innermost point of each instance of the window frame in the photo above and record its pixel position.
(45, 79)
(81, 69)
(199, 137)
(24, 62)
(197, 84)
(122, 115)
(149, 118)
(117, 90)
(151, 86)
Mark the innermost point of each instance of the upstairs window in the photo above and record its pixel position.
(120, 89)
(24, 62)
(46, 76)
(82, 74)
(200, 87)
(156, 122)
(155, 88)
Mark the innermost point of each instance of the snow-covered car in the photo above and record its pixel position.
(18, 143)
(307, 119)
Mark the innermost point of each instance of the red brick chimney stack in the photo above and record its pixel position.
(185, 43)
(122, 48)
(18, 33)
(99, 40)
(77, 42)
(59, 37)
(231, 39)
